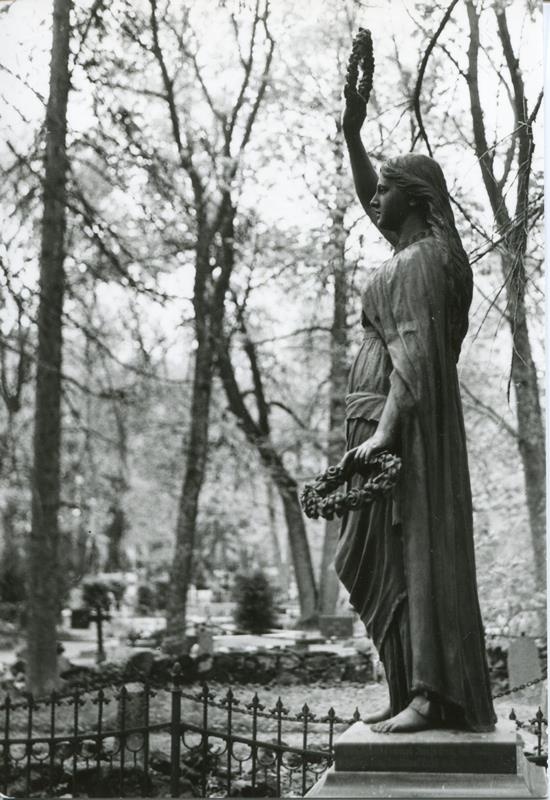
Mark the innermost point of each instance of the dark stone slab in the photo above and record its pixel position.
(360, 749)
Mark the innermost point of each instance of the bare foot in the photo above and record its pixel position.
(378, 716)
(406, 721)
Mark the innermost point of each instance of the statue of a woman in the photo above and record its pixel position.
(408, 560)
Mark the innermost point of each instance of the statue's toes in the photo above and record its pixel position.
(381, 727)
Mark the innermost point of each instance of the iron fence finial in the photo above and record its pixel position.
(176, 675)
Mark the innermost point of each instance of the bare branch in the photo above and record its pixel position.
(422, 70)
(247, 66)
(263, 80)
(233, 392)
(535, 111)
(483, 152)
(300, 331)
(183, 152)
(25, 83)
(487, 411)
(289, 411)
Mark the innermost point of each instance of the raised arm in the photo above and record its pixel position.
(364, 174)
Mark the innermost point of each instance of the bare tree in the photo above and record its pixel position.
(515, 230)
(258, 433)
(328, 580)
(214, 213)
(43, 606)
(513, 227)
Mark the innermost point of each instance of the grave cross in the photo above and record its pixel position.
(99, 616)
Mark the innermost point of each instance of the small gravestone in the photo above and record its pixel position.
(139, 665)
(301, 642)
(80, 618)
(205, 641)
(337, 626)
(523, 661)
(132, 714)
(132, 711)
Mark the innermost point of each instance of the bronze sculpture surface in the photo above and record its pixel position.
(408, 560)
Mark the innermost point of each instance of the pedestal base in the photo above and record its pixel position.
(424, 785)
(430, 764)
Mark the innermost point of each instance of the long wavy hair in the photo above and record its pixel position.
(421, 178)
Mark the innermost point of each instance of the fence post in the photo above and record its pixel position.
(76, 701)
(229, 701)
(256, 706)
(175, 731)
(330, 718)
(123, 696)
(51, 746)
(539, 721)
(100, 699)
(205, 697)
(28, 747)
(279, 711)
(7, 709)
(307, 717)
(146, 701)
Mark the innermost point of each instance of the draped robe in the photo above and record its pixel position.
(417, 545)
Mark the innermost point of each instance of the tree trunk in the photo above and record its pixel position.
(209, 292)
(196, 452)
(209, 307)
(530, 426)
(297, 536)
(117, 528)
(258, 435)
(43, 606)
(329, 584)
(278, 558)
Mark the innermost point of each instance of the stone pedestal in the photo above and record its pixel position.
(430, 764)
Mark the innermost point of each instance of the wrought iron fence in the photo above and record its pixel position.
(149, 740)
(145, 740)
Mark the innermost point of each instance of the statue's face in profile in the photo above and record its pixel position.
(391, 205)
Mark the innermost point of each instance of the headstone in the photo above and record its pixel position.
(204, 597)
(205, 642)
(523, 661)
(192, 595)
(80, 618)
(139, 665)
(301, 642)
(338, 626)
(131, 715)
(75, 597)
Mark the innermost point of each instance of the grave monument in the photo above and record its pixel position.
(407, 556)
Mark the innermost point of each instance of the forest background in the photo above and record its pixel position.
(181, 261)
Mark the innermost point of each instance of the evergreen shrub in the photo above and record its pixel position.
(255, 606)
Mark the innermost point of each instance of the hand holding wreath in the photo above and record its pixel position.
(363, 453)
(357, 91)
(355, 111)
(322, 498)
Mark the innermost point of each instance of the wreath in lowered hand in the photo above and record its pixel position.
(320, 499)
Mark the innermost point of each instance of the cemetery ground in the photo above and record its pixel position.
(344, 698)
(122, 639)
(103, 701)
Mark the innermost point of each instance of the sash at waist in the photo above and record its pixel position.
(366, 405)
(370, 333)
